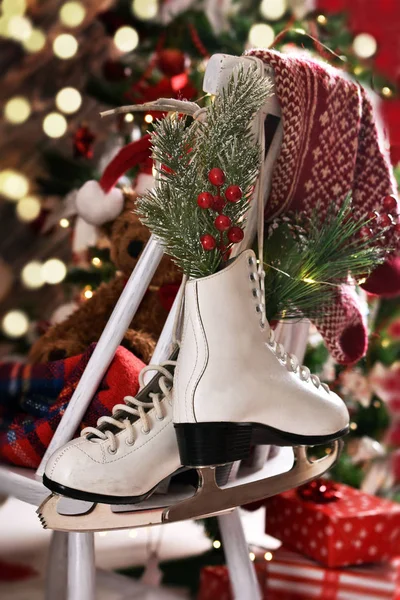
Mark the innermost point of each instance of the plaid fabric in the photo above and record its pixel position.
(33, 399)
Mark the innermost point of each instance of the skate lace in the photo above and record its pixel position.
(136, 408)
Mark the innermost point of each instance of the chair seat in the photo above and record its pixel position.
(22, 484)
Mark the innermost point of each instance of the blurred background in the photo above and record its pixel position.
(62, 62)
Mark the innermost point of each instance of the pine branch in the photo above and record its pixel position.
(187, 153)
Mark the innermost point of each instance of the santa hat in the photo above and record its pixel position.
(98, 202)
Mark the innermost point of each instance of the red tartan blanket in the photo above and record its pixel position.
(33, 399)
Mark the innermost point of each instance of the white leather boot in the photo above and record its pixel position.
(234, 385)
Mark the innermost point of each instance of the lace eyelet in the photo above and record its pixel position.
(255, 292)
(304, 374)
(326, 387)
(129, 443)
(145, 431)
(111, 451)
(160, 418)
(259, 308)
(251, 261)
(315, 380)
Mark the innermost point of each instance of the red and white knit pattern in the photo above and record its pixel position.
(330, 147)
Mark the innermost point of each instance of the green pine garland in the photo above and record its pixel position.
(187, 154)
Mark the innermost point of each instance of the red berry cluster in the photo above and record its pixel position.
(217, 202)
(386, 220)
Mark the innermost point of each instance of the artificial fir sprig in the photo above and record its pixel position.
(219, 141)
(306, 259)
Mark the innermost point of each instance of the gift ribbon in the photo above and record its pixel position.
(319, 491)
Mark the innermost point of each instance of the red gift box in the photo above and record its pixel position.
(356, 528)
(291, 576)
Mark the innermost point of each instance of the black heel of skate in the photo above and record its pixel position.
(207, 444)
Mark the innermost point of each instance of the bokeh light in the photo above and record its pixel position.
(273, 9)
(68, 100)
(35, 42)
(65, 46)
(53, 271)
(54, 125)
(364, 45)
(145, 9)
(28, 209)
(15, 324)
(13, 185)
(31, 275)
(261, 35)
(126, 38)
(17, 110)
(72, 14)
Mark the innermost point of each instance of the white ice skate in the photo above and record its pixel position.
(234, 387)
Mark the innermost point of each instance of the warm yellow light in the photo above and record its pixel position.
(54, 125)
(272, 10)
(88, 293)
(126, 38)
(353, 426)
(217, 544)
(252, 556)
(322, 20)
(387, 92)
(362, 280)
(35, 42)
(17, 110)
(65, 46)
(15, 324)
(96, 261)
(268, 556)
(28, 209)
(358, 70)
(129, 118)
(145, 9)
(13, 7)
(364, 45)
(376, 404)
(308, 280)
(31, 275)
(68, 100)
(72, 14)
(64, 223)
(13, 185)
(261, 35)
(148, 118)
(53, 271)
(19, 28)
(4, 21)
(385, 343)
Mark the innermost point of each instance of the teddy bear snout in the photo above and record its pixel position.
(134, 248)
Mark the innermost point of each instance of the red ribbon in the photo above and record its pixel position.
(319, 491)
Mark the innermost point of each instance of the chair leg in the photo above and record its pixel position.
(57, 566)
(81, 567)
(241, 569)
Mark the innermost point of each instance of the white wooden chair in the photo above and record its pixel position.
(71, 564)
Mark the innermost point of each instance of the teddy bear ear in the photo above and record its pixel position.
(96, 206)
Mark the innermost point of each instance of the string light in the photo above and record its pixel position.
(87, 292)
(353, 426)
(15, 324)
(54, 125)
(126, 38)
(19, 28)
(13, 185)
(68, 100)
(217, 544)
(308, 280)
(385, 343)
(64, 223)
(17, 110)
(65, 46)
(13, 7)
(268, 556)
(72, 14)
(252, 556)
(28, 209)
(129, 118)
(273, 9)
(35, 42)
(53, 271)
(387, 92)
(261, 35)
(377, 403)
(322, 20)
(96, 261)
(364, 45)
(148, 118)
(145, 9)
(31, 275)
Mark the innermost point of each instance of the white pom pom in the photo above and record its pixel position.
(95, 206)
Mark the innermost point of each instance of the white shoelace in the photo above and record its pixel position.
(136, 408)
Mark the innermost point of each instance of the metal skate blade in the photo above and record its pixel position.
(176, 493)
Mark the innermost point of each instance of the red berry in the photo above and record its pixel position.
(205, 200)
(386, 220)
(218, 203)
(373, 215)
(222, 222)
(216, 176)
(208, 242)
(366, 232)
(233, 193)
(235, 235)
(396, 229)
(389, 203)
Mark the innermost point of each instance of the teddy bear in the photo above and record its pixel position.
(113, 210)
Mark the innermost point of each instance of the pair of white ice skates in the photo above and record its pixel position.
(229, 386)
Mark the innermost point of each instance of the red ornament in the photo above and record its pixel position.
(235, 235)
(208, 242)
(222, 222)
(83, 142)
(216, 176)
(389, 203)
(205, 200)
(171, 61)
(366, 232)
(233, 193)
(386, 220)
(218, 203)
